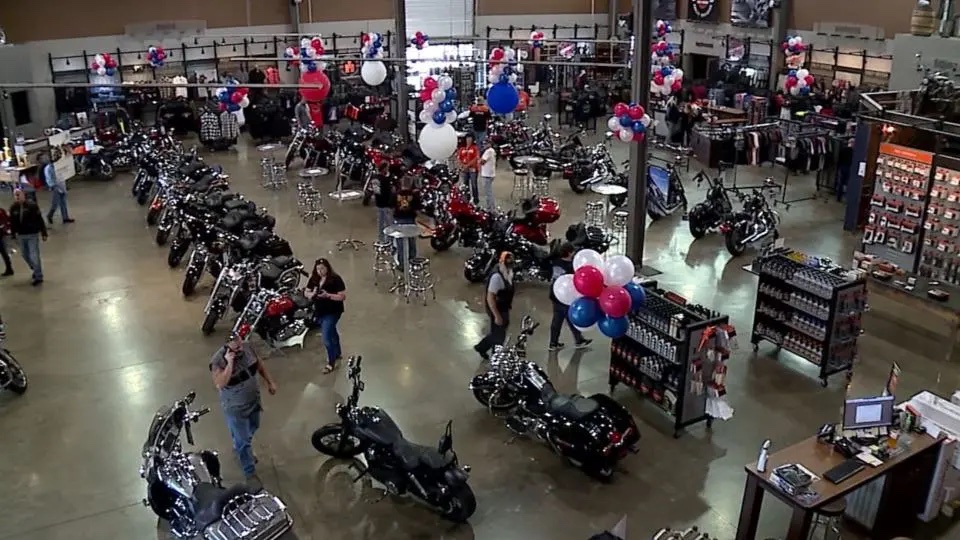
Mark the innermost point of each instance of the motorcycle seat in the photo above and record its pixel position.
(203, 184)
(234, 203)
(249, 242)
(413, 455)
(300, 301)
(283, 262)
(211, 499)
(574, 407)
(235, 219)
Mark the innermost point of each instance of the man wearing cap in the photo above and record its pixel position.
(498, 301)
(235, 367)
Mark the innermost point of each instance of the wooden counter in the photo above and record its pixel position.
(902, 499)
(917, 322)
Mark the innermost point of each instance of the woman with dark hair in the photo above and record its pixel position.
(327, 290)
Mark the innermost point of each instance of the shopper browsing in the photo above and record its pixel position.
(497, 302)
(488, 170)
(58, 190)
(406, 205)
(383, 198)
(235, 367)
(328, 292)
(28, 228)
(469, 158)
(564, 265)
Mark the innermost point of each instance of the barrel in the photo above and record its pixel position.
(922, 22)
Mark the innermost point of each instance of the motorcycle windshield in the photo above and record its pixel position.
(660, 178)
(162, 433)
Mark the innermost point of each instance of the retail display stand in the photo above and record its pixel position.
(940, 250)
(808, 310)
(663, 357)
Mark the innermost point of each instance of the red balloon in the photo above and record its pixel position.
(637, 112)
(317, 44)
(620, 109)
(658, 79)
(223, 107)
(615, 301)
(236, 97)
(94, 66)
(588, 280)
(430, 84)
(809, 80)
(426, 95)
(497, 54)
(419, 34)
(314, 86)
(677, 86)
(638, 137)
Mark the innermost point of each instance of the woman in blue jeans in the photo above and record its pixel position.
(327, 290)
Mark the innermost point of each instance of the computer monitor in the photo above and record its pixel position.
(868, 413)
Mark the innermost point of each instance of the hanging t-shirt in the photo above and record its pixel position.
(182, 90)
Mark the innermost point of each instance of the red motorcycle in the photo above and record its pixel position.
(459, 220)
(535, 214)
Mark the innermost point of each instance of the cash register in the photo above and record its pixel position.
(866, 424)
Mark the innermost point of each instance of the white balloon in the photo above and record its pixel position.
(618, 271)
(613, 123)
(792, 42)
(102, 71)
(430, 106)
(445, 82)
(379, 54)
(678, 74)
(587, 257)
(303, 67)
(655, 57)
(438, 96)
(311, 52)
(496, 71)
(509, 54)
(803, 73)
(802, 83)
(660, 22)
(373, 73)
(375, 36)
(646, 120)
(518, 68)
(799, 40)
(625, 134)
(564, 289)
(304, 43)
(668, 80)
(438, 141)
(794, 90)
(665, 90)
(152, 49)
(98, 58)
(245, 102)
(513, 78)
(426, 116)
(452, 116)
(289, 51)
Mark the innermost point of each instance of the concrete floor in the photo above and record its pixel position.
(108, 339)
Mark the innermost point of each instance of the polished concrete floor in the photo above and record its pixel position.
(108, 339)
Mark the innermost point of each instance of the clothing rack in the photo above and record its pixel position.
(794, 132)
(737, 135)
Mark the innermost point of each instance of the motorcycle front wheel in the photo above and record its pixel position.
(153, 215)
(209, 322)
(445, 242)
(734, 243)
(329, 440)
(190, 283)
(177, 251)
(18, 377)
(461, 504)
(106, 171)
(697, 228)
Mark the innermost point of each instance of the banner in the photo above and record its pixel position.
(703, 11)
(62, 156)
(750, 13)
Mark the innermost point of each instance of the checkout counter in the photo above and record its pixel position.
(29, 152)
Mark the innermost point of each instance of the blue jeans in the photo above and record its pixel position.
(383, 219)
(411, 244)
(331, 338)
(470, 183)
(479, 137)
(242, 428)
(30, 250)
(488, 192)
(59, 200)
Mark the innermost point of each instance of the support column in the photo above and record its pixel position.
(612, 16)
(295, 17)
(781, 16)
(640, 90)
(399, 50)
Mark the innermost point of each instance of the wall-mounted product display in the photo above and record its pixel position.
(703, 10)
(750, 13)
(940, 252)
(895, 219)
(809, 307)
(663, 356)
(855, 67)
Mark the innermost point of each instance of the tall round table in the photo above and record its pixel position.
(402, 232)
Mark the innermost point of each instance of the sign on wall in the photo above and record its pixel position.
(703, 10)
(750, 13)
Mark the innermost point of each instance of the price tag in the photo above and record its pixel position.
(88, 145)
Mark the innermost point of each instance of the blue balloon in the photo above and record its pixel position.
(637, 126)
(451, 94)
(584, 312)
(626, 121)
(504, 78)
(638, 296)
(502, 98)
(110, 72)
(446, 106)
(224, 97)
(377, 43)
(233, 107)
(439, 116)
(613, 327)
(792, 73)
(311, 67)
(665, 70)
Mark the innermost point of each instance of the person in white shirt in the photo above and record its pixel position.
(488, 169)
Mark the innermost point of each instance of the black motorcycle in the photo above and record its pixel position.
(591, 433)
(198, 217)
(755, 222)
(432, 476)
(245, 277)
(12, 376)
(186, 490)
(219, 248)
(715, 208)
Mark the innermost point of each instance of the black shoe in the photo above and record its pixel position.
(68, 220)
(36, 282)
(483, 354)
(584, 343)
(9, 272)
(50, 220)
(555, 346)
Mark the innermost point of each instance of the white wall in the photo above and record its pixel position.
(544, 23)
(939, 54)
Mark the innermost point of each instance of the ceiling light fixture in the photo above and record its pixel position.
(234, 48)
(195, 41)
(68, 61)
(203, 51)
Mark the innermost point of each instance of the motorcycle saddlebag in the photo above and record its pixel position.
(277, 247)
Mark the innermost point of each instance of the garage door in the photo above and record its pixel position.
(440, 17)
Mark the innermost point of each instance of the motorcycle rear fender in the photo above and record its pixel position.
(484, 380)
(620, 417)
(455, 476)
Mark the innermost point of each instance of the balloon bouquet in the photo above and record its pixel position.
(438, 139)
(600, 292)
(420, 40)
(307, 55)
(666, 78)
(536, 39)
(233, 98)
(793, 48)
(502, 96)
(156, 56)
(799, 81)
(104, 65)
(629, 122)
(372, 71)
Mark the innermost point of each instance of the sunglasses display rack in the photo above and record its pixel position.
(940, 250)
(661, 358)
(810, 308)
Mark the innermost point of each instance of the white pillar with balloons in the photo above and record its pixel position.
(438, 139)
(600, 292)
(502, 96)
(799, 81)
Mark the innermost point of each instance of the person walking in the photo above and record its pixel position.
(488, 170)
(28, 228)
(328, 292)
(563, 265)
(383, 198)
(58, 189)
(406, 205)
(469, 158)
(4, 248)
(235, 367)
(302, 114)
(497, 303)
(479, 119)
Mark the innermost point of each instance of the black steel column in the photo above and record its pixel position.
(781, 16)
(399, 50)
(294, 18)
(640, 90)
(612, 17)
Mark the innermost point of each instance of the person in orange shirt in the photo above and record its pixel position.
(469, 158)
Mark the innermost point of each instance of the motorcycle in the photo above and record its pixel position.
(711, 213)
(223, 246)
(433, 477)
(199, 219)
(754, 222)
(463, 221)
(237, 281)
(169, 201)
(314, 148)
(592, 433)
(93, 161)
(279, 318)
(186, 490)
(12, 376)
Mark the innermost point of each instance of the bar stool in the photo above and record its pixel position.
(421, 280)
(383, 261)
(521, 180)
(540, 186)
(593, 214)
(618, 225)
(829, 516)
(270, 166)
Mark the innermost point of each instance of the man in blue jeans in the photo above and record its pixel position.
(28, 228)
(235, 367)
(58, 189)
(405, 208)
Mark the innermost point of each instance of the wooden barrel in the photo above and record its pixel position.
(922, 22)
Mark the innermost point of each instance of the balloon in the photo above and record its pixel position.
(502, 98)
(587, 257)
(625, 121)
(613, 123)
(584, 312)
(809, 79)
(235, 97)
(646, 120)
(620, 109)
(564, 290)
(446, 106)
(430, 83)
(625, 134)
(589, 281)
(678, 74)
(802, 83)
(638, 127)
(451, 94)
(512, 78)
(373, 73)
(614, 301)
(94, 66)
(613, 327)
(509, 54)
(445, 82)
(438, 96)
(802, 73)
(426, 95)
(101, 70)
(636, 112)
(638, 295)
(223, 107)
(245, 102)
(425, 116)
(799, 40)
(618, 270)
(795, 90)
(438, 141)
(289, 51)
(439, 116)
(452, 116)
(638, 137)
(430, 106)
(677, 86)
(792, 73)
(315, 86)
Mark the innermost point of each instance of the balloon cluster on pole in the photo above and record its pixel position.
(629, 122)
(420, 40)
(103, 64)
(314, 86)
(798, 82)
(666, 79)
(156, 56)
(438, 139)
(232, 98)
(600, 292)
(502, 96)
(536, 39)
(567, 51)
(372, 71)
(307, 55)
(793, 48)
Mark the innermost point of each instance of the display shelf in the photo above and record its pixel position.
(663, 356)
(940, 251)
(810, 308)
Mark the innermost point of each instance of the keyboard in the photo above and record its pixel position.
(844, 470)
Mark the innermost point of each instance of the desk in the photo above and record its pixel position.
(906, 475)
(892, 304)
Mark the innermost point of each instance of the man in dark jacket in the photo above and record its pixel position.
(406, 205)
(498, 301)
(563, 265)
(28, 228)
